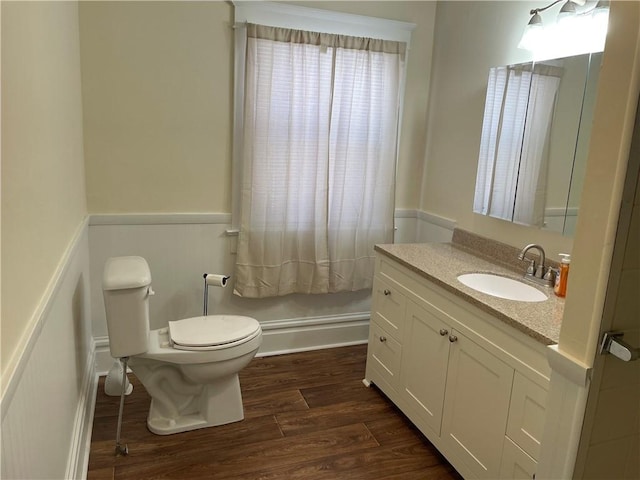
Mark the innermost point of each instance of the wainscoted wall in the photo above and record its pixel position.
(181, 247)
(57, 370)
(47, 404)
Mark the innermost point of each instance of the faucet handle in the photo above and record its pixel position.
(550, 275)
(531, 269)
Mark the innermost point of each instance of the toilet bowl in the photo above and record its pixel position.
(189, 368)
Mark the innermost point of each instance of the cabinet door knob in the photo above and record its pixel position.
(443, 332)
(453, 338)
(383, 339)
(387, 291)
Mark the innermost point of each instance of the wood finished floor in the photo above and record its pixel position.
(307, 416)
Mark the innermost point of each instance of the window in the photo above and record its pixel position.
(317, 143)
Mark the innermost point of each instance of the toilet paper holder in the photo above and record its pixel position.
(214, 280)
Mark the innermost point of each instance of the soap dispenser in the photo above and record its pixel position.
(560, 287)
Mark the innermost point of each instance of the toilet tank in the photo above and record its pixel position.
(126, 287)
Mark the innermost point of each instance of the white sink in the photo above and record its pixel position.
(502, 287)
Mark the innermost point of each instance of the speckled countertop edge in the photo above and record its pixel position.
(441, 263)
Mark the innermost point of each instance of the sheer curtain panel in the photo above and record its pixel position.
(512, 165)
(319, 153)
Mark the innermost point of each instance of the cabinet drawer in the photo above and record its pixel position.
(516, 464)
(388, 307)
(384, 354)
(527, 414)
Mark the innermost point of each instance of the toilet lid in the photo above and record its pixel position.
(212, 330)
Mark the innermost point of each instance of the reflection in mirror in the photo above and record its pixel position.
(535, 133)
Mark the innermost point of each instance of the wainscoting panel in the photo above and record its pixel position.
(285, 336)
(178, 255)
(180, 248)
(47, 405)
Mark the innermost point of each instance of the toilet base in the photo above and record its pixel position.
(219, 403)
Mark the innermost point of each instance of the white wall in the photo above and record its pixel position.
(178, 255)
(47, 405)
(181, 247)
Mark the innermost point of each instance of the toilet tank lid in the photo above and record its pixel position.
(125, 272)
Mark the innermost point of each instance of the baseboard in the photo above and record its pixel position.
(78, 461)
(285, 336)
(104, 360)
(305, 334)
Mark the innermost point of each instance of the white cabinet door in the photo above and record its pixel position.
(424, 365)
(476, 407)
(526, 414)
(516, 464)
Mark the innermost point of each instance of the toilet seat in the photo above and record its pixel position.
(212, 332)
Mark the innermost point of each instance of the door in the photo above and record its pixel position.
(424, 365)
(610, 442)
(476, 406)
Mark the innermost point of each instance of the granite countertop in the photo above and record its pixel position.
(441, 263)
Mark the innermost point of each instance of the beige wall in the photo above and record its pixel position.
(43, 194)
(614, 116)
(157, 93)
(471, 37)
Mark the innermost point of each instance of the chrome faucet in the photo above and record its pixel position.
(537, 274)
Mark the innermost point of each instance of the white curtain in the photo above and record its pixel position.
(532, 179)
(511, 178)
(320, 141)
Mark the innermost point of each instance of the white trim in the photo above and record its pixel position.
(405, 213)
(567, 366)
(566, 404)
(103, 360)
(318, 20)
(225, 218)
(17, 363)
(285, 336)
(159, 218)
(434, 219)
(78, 461)
(315, 333)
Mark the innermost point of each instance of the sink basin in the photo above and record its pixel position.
(502, 287)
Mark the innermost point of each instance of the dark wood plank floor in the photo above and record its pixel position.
(307, 416)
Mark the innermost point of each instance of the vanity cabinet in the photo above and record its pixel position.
(473, 385)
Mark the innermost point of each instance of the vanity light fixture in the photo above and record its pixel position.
(585, 28)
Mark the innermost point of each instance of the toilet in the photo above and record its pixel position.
(190, 367)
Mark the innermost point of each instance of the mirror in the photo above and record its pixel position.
(535, 138)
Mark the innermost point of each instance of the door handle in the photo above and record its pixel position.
(612, 343)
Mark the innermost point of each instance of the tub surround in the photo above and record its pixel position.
(441, 263)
